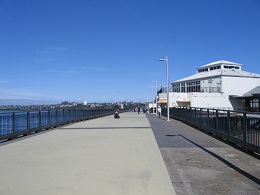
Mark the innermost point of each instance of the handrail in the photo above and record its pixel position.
(22, 123)
(235, 127)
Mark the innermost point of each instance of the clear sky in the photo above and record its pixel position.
(108, 50)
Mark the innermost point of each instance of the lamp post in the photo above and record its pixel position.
(156, 97)
(152, 101)
(167, 83)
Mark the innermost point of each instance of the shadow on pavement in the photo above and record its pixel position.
(249, 176)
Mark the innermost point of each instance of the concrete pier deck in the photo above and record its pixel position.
(97, 157)
(199, 164)
(138, 154)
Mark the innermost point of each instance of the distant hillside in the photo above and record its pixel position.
(27, 102)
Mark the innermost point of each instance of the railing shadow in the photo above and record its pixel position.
(249, 176)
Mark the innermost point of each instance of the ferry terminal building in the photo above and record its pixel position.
(221, 84)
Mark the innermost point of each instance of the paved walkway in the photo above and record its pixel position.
(97, 157)
(128, 156)
(202, 165)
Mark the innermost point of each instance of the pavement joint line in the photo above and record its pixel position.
(105, 128)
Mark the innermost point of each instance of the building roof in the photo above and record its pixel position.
(218, 73)
(220, 62)
(254, 91)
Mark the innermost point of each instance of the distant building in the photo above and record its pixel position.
(220, 84)
(151, 107)
(85, 103)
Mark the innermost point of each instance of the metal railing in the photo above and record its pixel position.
(240, 128)
(17, 124)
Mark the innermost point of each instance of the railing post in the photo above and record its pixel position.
(28, 123)
(200, 118)
(13, 122)
(182, 112)
(244, 131)
(229, 125)
(189, 118)
(207, 117)
(195, 116)
(49, 117)
(208, 121)
(217, 126)
(81, 113)
(57, 119)
(40, 120)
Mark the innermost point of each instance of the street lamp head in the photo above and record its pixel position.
(161, 59)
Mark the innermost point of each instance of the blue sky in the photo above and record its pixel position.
(108, 50)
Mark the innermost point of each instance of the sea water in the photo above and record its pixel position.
(19, 120)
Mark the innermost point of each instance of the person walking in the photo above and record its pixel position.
(138, 109)
(159, 111)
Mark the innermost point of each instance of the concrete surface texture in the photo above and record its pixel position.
(199, 164)
(98, 157)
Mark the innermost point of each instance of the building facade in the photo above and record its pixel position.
(221, 84)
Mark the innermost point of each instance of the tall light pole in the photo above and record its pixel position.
(152, 100)
(167, 83)
(156, 96)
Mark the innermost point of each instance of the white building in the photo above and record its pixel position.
(151, 107)
(220, 84)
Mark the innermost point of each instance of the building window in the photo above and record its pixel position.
(193, 86)
(198, 86)
(183, 88)
(203, 70)
(214, 67)
(231, 67)
(176, 88)
(254, 103)
(187, 87)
